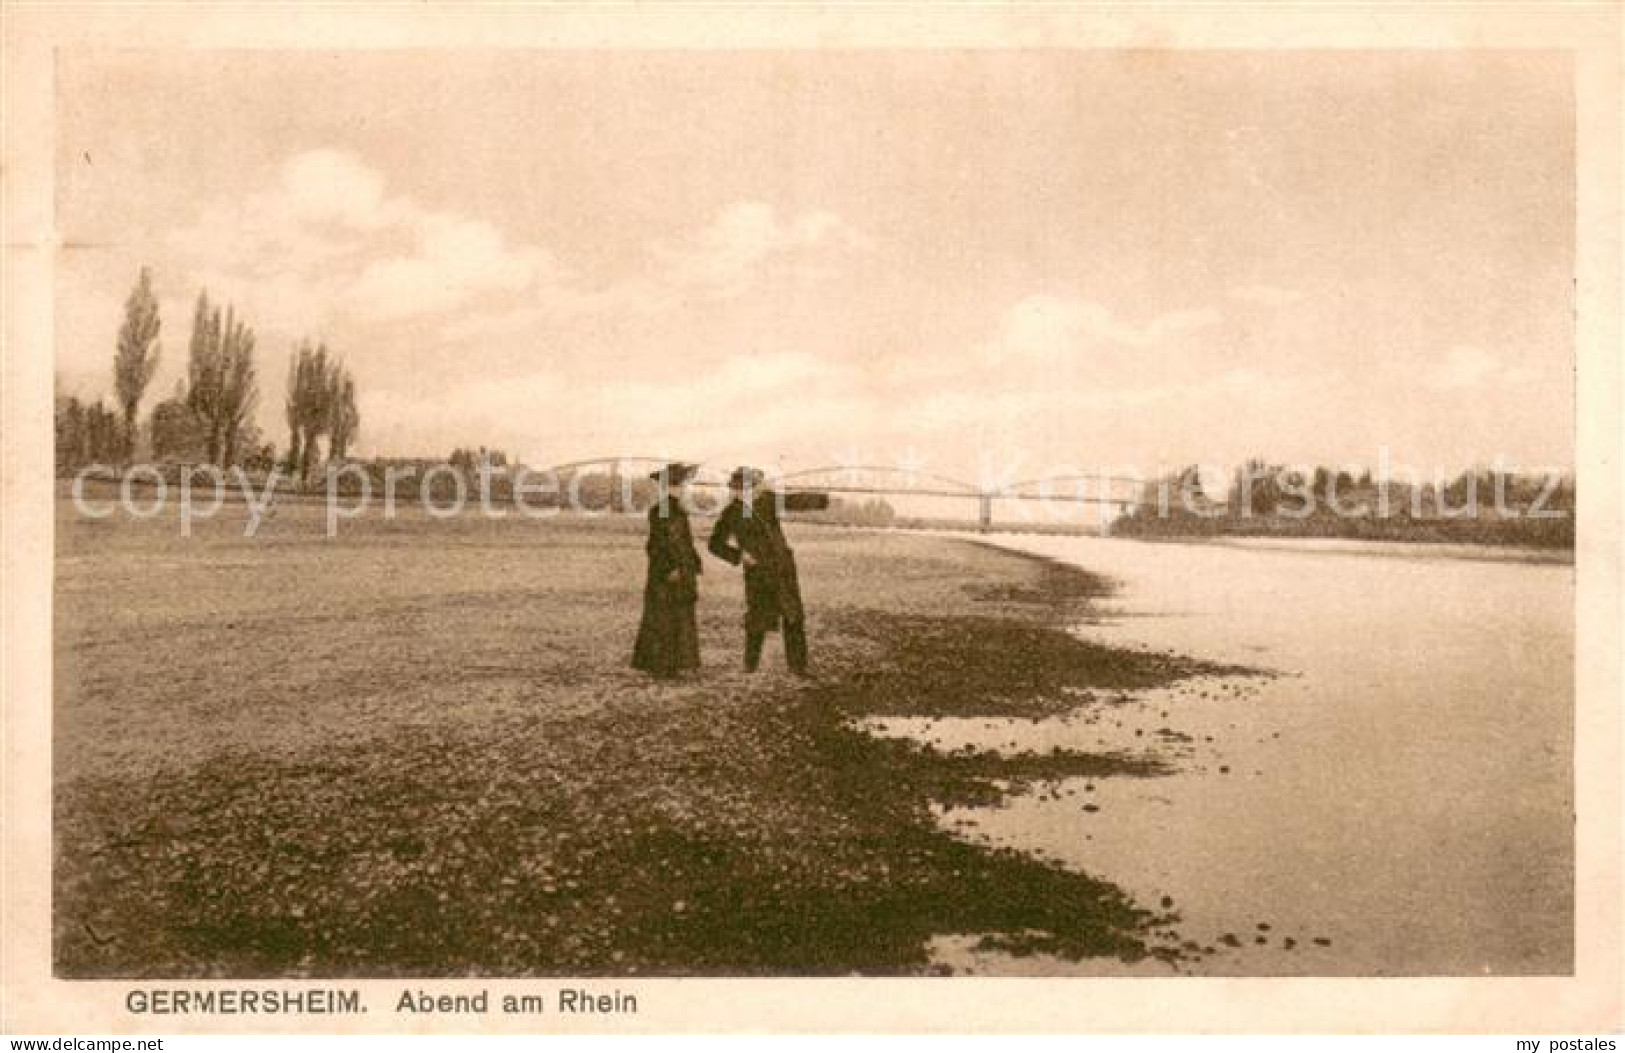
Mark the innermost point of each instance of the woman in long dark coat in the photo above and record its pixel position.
(668, 637)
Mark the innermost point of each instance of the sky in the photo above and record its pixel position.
(1032, 260)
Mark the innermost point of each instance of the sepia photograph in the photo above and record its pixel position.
(594, 515)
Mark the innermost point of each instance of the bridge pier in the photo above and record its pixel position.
(984, 513)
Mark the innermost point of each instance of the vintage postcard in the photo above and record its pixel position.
(1041, 518)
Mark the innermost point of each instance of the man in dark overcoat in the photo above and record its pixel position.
(668, 637)
(748, 534)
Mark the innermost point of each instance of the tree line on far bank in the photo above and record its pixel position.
(209, 416)
(1265, 499)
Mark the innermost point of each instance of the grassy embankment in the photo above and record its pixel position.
(417, 750)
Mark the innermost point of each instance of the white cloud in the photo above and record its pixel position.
(453, 262)
(747, 376)
(316, 213)
(721, 261)
(328, 186)
(723, 258)
(727, 257)
(740, 393)
(1044, 325)
(326, 240)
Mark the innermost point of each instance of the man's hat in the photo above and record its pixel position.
(743, 477)
(675, 474)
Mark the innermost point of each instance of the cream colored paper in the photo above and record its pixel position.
(37, 38)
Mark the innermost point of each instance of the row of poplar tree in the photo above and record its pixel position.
(210, 416)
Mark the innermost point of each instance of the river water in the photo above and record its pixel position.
(1396, 799)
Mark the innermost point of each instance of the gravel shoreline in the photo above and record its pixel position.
(510, 800)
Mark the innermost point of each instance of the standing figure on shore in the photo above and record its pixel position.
(748, 534)
(668, 637)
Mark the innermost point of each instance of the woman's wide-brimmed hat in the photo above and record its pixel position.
(743, 477)
(675, 474)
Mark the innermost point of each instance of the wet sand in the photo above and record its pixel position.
(1396, 800)
(417, 750)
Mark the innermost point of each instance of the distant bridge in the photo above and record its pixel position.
(1118, 492)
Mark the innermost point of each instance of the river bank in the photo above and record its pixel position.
(1397, 800)
(416, 750)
